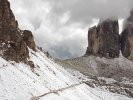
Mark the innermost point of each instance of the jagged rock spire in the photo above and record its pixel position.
(103, 40)
(12, 43)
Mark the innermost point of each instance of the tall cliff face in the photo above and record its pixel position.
(103, 40)
(13, 46)
(127, 38)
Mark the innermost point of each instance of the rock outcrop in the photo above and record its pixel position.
(13, 42)
(29, 39)
(127, 38)
(104, 39)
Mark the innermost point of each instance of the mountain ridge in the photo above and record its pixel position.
(26, 73)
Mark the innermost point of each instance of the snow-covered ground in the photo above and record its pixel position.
(83, 92)
(19, 82)
(103, 67)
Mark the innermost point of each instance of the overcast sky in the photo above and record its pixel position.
(60, 26)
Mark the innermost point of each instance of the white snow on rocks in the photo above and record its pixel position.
(19, 82)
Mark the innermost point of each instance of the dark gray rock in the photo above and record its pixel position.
(127, 38)
(104, 39)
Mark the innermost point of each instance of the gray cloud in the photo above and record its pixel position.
(86, 10)
(60, 26)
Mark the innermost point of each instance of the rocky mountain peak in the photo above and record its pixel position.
(13, 41)
(103, 40)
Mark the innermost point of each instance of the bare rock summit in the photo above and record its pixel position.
(103, 40)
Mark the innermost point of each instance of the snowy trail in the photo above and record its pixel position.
(82, 92)
(59, 90)
(48, 81)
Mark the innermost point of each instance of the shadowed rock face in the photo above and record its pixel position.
(127, 38)
(93, 41)
(12, 43)
(103, 40)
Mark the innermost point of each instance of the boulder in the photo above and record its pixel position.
(29, 39)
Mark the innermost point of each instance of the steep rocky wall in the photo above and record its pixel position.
(127, 38)
(103, 40)
(13, 45)
(93, 41)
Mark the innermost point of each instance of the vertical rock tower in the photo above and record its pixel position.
(103, 40)
(127, 38)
